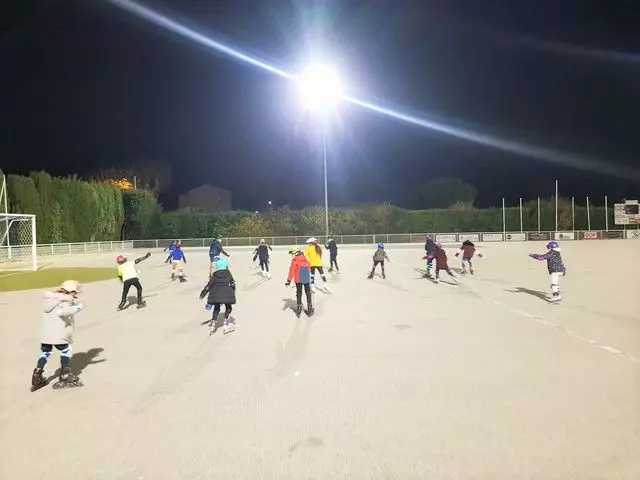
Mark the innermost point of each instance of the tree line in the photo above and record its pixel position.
(74, 210)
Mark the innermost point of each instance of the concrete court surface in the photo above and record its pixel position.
(395, 379)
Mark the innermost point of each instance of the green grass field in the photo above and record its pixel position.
(52, 277)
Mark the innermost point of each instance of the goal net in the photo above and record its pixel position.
(18, 242)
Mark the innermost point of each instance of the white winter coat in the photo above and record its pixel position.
(58, 322)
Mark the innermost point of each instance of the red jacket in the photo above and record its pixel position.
(441, 259)
(299, 271)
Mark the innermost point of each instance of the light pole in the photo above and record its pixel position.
(270, 206)
(321, 90)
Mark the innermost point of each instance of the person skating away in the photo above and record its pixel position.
(468, 250)
(171, 247)
(442, 263)
(300, 274)
(60, 307)
(314, 255)
(332, 246)
(430, 248)
(128, 275)
(262, 254)
(178, 260)
(555, 267)
(379, 256)
(221, 290)
(215, 249)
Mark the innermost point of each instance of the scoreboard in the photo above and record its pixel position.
(627, 213)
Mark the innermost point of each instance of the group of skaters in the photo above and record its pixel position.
(62, 304)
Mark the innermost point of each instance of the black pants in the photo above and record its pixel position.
(216, 311)
(264, 264)
(320, 270)
(132, 282)
(307, 291)
(333, 259)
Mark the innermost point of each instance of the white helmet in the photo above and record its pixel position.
(312, 240)
(70, 286)
(262, 240)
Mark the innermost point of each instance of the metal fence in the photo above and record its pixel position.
(66, 249)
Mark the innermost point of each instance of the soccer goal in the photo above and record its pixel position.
(17, 237)
(18, 242)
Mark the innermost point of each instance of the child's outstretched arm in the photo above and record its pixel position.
(458, 253)
(144, 257)
(539, 256)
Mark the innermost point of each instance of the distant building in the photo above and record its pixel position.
(207, 199)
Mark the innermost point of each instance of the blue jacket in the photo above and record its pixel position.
(171, 247)
(177, 255)
(262, 252)
(332, 246)
(215, 249)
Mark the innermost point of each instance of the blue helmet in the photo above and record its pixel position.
(553, 245)
(221, 264)
(381, 245)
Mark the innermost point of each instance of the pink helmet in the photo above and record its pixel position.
(121, 259)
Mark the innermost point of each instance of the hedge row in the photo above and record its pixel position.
(67, 209)
(379, 219)
(72, 210)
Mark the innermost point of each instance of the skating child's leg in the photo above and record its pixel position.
(384, 275)
(126, 286)
(555, 286)
(67, 378)
(322, 275)
(227, 312)
(298, 294)
(373, 269)
(216, 312)
(464, 264)
(307, 291)
(37, 378)
(470, 267)
(335, 262)
(136, 283)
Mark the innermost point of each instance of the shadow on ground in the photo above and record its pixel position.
(533, 293)
(82, 360)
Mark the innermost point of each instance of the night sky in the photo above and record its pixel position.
(84, 84)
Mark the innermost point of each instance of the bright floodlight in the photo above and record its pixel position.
(320, 88)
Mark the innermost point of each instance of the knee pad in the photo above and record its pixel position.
(66, 352)
(45, 355)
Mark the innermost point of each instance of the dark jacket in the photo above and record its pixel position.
(430, 248)
(554, 261)
(262, 252)
(215, 249)
(221, 288)
(332, 246)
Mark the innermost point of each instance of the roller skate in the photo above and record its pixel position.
(471, 271)
(370, 276)
(37, 379)
(141, 304)
(182, 279)
(173, 276)
(384, 275)
(310, 311)
(228, 327)
(298, 310)
(556, 298)
(268, 276)
(67, 380)
(122, 306)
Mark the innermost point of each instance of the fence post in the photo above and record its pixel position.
(538, 214)
(521, 227)
(588, 216)
(52, 249)
(573, 213)
(606, 213)
(504, 218)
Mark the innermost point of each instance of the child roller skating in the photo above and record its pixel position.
(314, 255)
(378, 259)
(441, 261)
(128, 275)
(171, 247)
(430, 248)
(300, 274)
(178, 260)
(468, 250)
(332, 246)
(262, 254)
(555, 267)
(221, 290)
(57, 330)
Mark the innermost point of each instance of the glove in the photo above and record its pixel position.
(287, 283)
(208, 306)
(202, 295)
(456, 254)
